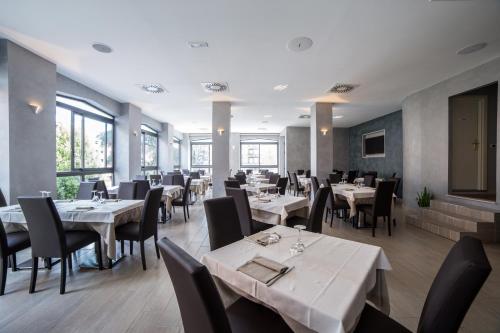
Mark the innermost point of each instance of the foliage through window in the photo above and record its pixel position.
(201, 155)
(176, 147)
(149, 150)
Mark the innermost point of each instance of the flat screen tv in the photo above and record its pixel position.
(374, 144)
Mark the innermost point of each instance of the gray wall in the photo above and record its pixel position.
(393, 160)
(297, 148)
(128, 143)
(340, 148)
(28, 140)
(425, 134)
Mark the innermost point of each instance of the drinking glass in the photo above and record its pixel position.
(94, 195)
(101, 196)
(298, 247)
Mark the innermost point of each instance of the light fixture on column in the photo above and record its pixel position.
(324, 131)
(35, 108)
(220, 131)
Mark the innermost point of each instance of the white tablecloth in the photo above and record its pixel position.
(306, 182)
(325, 292)
(258, 179)
(102, 219)
(355, 195)
(257, 188)
(170, 192)
(278, 209)
(199, 186)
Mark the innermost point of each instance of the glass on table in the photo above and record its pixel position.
(101, 196)
(94, 196)
(298, 247)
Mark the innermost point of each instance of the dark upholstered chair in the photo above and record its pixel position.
(314, 185)
(308, 173)
(85, 190)
(185, 200)
(297, 187)
(369, 180)
(168, 180)
(50, 240)
(241, 177)
(127, 190)
(100, 186)
(351, 175)
(9, 245)
(273, 179)
(142, 189)
(452, 292)
(333, 204)
(194, 175)
(155, 179)
(148, 226)
(247, 224)
(232, 184)
(291, 182)
(396, 180)
(178, 179)
(248, 171)
(200, 303)
(382, 205)
(300, 172)
(223, 222)
(314, 222)
(281, 185)
(335, 178)
(3, 202)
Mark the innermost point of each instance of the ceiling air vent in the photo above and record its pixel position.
(343, 88)
(304, 116)
(152, 88)
(215, 87)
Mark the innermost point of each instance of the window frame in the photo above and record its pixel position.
(154, 133)
(259, 166)
(210, 152)
(82, 172)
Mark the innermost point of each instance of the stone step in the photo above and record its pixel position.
(455, 220)
(477, 214)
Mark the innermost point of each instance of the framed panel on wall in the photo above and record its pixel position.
(373, 144)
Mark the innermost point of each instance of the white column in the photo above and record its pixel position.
(128, 143)
(321, 140)
(221, 131)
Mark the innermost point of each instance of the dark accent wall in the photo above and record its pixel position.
(393, 160)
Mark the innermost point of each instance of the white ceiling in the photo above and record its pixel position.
(391, 48)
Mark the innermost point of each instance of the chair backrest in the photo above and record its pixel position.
(178, 179)
(281, 185)
(149, 215)
(185, 172)
(273, 179)
(85, 190)
(155, 178)
(240, 197)
(289, 178)
(351, 175)
(249, 171)
(397, 181)
(140, 177)
(231, 184)
(455, 286)
(314, 184)
(315, 221)
(44, 226)
(242, 178)
(167, 180)
(3, 202)
(101, 187)
(142, 189)
(199, 301)
(187, 192)
(223, 222)
(335, 178)
(308, 173)
(330, 202)
(300, 172)
(382, 202)
(3, 241)
(296, 183)
(194, 175)
(369, 180)
(127, 190)
(373, 173)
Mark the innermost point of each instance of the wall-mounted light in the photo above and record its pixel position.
(220, 131)
(324, 131)
(135, 133)
(35, 108)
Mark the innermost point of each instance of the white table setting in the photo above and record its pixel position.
(321, 289)
(258, 187)
(355, 195)
(275, 209)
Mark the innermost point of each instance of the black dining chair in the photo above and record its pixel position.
(247, 224)
(273, 179)
(232, 184)
(335, 178)
(3, 202)
(167, 180)
(222, 221)
(50, 240)
(298, 188)
(194, 175)
(146, 228)
(178, 179)
(351, 176)
(142, 189)
(85, 190)
(100, 186)
(452, 292)
(200, 303)
(241, 177)
(127, 190)
(10, 244)
(308, 173)
(248, 172)
(281, 185)
(155, 179)
(381, 207)
(314, 222)
(290, 182)
(369, 180)
(300, 172)
(334, 205)
(184, 200)
(314, 185)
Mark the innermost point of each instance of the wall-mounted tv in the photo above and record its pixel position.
(374, 144)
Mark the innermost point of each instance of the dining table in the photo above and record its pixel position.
(102, 217)
(258, 187)
(325, 287)
(275, 209)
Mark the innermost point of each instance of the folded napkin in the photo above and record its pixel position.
(264, 238)
(264, 270)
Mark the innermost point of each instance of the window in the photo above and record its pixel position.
(374, 144)
(176, 147)
(201, 154)
(149, 150)
(84, 145)
(259, 153)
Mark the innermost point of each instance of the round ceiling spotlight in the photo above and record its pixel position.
(215, 87)
(102, 48)
(152, 88)
(299, 44)
(472, 48)
(342, 88)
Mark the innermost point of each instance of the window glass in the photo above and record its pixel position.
(63, 139)
(258, 154)
(149, 150)
(95, 144)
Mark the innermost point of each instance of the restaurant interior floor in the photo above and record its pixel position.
(128, 299)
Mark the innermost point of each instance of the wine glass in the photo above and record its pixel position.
(101, 197)
(298, 247)
(94, 196)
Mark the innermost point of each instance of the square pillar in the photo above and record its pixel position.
(321, 140)
(221, 131)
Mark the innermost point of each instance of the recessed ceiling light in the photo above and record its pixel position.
(152, 88)
(268, 116)
(338, 117)
(472, 48)
(300, 44)
(304, 116)
(101, 47)
(212, 87)
(342, 88)
(280, 87)
(198, 44)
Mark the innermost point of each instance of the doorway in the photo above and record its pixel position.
(473, 137)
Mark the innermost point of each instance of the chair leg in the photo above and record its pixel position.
(389, 224)
(131, 243)
(34, 271)
(394, 222)
(122, 246)
(70, 262)
(62, 287)
(99, 254)
(184, 209)
(3, 274)
(156, 246)
(14, 262)
(143, 255)
(187, 208)
(374, 225)
(331, 218)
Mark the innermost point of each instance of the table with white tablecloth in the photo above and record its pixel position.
(306, 183)
(75, 215)
(170, 192)
(354, 195)
(257, 179)
(273, 209)
(326, 290)
(199, 186)
(257, 188)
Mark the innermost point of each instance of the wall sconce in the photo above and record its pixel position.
(35, 108)
(324, 131)
(220, 131)
(135, 133)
